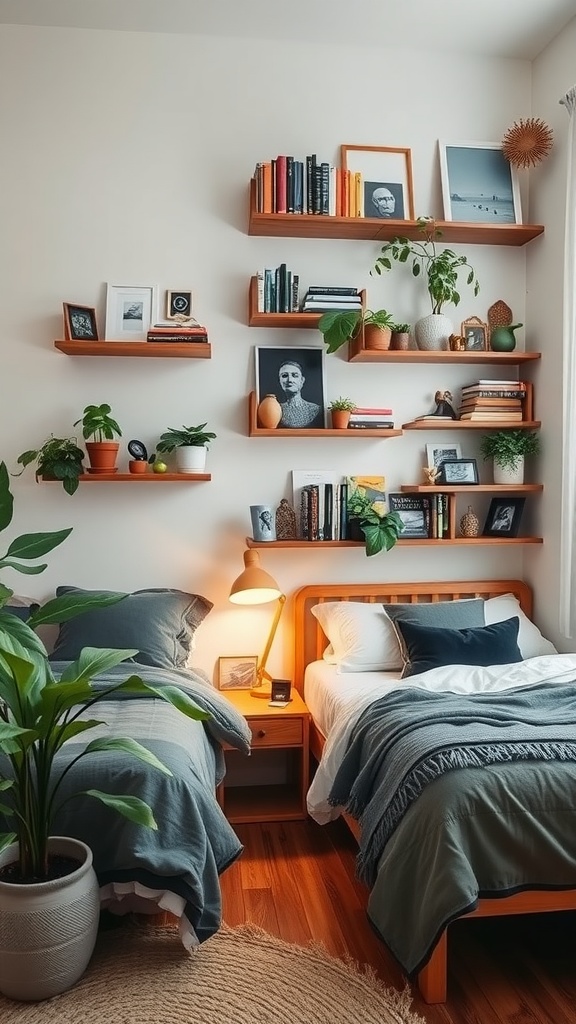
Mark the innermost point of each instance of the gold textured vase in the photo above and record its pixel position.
(469, 523)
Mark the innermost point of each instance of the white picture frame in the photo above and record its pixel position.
(479, 185)
(130, 310)
(437, 453)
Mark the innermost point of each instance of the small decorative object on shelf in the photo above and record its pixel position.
(502, 338)
(340, 410)
(103, 450)
(431, 474)
(79, 323)
(444, 407)
(527, 142)
(469, 523)
(269, 412)
(263, 522)
(456, 343)
(285, 521)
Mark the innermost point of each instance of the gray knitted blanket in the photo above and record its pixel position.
(410, 737)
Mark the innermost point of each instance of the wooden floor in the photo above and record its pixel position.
(296, 880)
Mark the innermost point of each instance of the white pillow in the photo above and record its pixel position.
(530, 640)
(362, 637)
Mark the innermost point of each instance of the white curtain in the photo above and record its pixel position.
(568, 520)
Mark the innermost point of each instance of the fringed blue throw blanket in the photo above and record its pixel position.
(411, 737)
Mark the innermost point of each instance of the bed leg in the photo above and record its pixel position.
(432, 979)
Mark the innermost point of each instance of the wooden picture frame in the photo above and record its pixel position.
(79, 322)
(237, 672)
(479, 185)
(459, 472)
(280, 372)
(475, 334)
(503, 517)
(130, 311)
(386, 171)
(178, 304)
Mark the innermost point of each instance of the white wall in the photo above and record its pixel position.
(126, 158)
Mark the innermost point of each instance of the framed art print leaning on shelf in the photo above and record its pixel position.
(503, 517)
(386, 179)
(79, 323)
(296, 376)
(478, 183)
(436, 454)
(130, 311)
(237, 673)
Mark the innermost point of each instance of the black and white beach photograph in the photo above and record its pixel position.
(478, 184)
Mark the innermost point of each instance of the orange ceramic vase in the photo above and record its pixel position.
(269, 412)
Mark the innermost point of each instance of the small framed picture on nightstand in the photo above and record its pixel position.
(237, 673)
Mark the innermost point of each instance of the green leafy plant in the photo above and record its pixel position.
(98, 423)
(59, 458)
(505, 446)
(344, 404)
(174, 438)
(401, 328)
(39, 714)
(339, 326)
(441, 266)
(381, 529)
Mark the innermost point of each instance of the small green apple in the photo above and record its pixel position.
(159, 467)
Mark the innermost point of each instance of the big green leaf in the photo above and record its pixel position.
(61, 609)
(172, 694)
(130, 807)
(6, 499)
(34, 545)
(6, 840)
(127, 746)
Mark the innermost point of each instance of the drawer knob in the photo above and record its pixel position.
(261, 733)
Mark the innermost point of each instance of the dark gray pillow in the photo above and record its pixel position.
(428, 647)
(444, 614)
(159, 623)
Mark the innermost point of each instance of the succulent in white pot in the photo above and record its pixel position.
(190, 445)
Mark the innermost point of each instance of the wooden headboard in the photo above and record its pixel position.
(310, 639)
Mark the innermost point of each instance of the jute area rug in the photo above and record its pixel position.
(239, 976)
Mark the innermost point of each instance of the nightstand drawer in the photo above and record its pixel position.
(276, 732)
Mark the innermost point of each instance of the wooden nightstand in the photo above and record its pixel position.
(280, 730)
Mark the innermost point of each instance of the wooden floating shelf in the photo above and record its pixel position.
(358, 354)
(139, 478)
(429, 424)
(297, 320)
(416, 542)
(304, 225)
(469, 488)
(146, 349)
(255, 431)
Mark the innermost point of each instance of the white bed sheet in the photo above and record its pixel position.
(329, 694)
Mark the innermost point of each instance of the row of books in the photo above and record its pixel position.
(277, 290)
(288, 185)
(423, 515)
(177, 333)
(493, 400)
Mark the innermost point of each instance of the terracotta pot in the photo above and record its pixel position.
(377, 338)
(138, 466)
(400, 341)
(102, 455)
(340, 418)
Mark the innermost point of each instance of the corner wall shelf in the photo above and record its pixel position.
(255, 431)
(148, 349)
(416, 542)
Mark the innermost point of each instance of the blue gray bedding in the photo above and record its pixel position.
(459, 796)
(194, 842)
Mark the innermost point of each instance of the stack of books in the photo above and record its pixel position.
(364, 417)
(176, 332)
(323, 299)
(493, 401)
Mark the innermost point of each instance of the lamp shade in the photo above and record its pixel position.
(254, 585)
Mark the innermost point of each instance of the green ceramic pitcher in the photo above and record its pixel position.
(502, 338)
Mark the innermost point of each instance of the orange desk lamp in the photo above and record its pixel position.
(256, 586)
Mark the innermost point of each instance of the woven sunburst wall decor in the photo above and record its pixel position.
(527, 142)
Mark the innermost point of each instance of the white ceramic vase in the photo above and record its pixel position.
(48, 929)
(191, 458)
(432, 332)
(506, 475)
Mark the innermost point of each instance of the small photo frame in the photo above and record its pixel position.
(178, 305)
(129, 311)
(386, 177)
(296, 376)
(280, 689)
(503, 517)
(478, 183)
(79, 323)
(459, 471)
(475, 334)
(414, 511)
(436, 454)
(237, 672)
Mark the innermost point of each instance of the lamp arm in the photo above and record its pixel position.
(261, 672)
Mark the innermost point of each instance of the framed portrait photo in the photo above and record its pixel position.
(129, 311)
(478, 183)
(459, 471)
(503, 517)
(79, 323)
(296, 377)
(475, 334)
(237, 672)
(387, 190)
(178, 305)
(436, 454)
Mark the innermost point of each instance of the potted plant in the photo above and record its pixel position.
(190, 445)
(379, 528)
(58, 458)
(103, 450)
(400, 340)
(38, 716)
(340, 326)
(340, 409)
(507, 448)
(441, 267)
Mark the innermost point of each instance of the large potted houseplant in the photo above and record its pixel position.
(441, 267)
(368, 518)
(507, 449)
(190, 445)
(49, 894)
(340, 326)
(103, 450)
(58, 458)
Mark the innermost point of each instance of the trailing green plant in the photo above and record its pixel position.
(98, 423)
(40, 714)
(57, 457)
(173, 438)
(441, 266)
(342, 404)
(504, 446)
(339, 326)
(381, 529)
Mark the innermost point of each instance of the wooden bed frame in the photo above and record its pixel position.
(311, 642)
